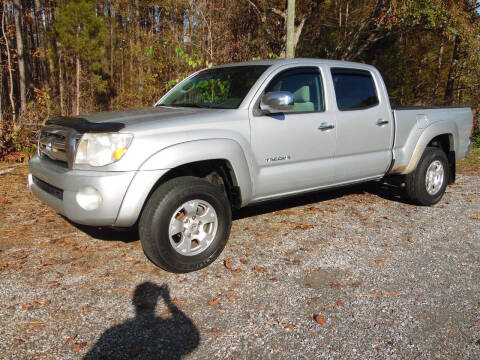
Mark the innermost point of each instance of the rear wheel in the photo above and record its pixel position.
(185, 224)
(426, 185)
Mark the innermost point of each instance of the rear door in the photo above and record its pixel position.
(294, 150)
(365, 126)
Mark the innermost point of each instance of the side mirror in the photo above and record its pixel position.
(277, 101)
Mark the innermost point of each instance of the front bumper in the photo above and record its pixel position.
(111, 185)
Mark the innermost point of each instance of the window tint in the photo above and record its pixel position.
(306, 86)
(354, 89)
(223, 88)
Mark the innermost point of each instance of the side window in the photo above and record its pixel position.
(306, 86)
(354, 89)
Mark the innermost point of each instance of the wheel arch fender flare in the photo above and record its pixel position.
(430, 133)
(201, 150)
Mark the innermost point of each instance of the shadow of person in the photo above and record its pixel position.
(148, 336)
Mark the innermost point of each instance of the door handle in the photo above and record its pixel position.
(325, 126)
(381, 122)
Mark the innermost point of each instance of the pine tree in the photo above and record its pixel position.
(80, 35)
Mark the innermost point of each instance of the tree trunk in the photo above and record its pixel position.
(60, 83)
(439, 69)
(9, 64)
(20, 56)
(290, 46)
(1, 95)
(448, 99)
(112, 49)
(78, 66)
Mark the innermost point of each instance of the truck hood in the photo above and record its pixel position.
(130, 120)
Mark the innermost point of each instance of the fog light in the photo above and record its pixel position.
(89, 198)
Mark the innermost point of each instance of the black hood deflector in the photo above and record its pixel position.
(84, 126)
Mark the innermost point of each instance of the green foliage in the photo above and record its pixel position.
(79, 31)
(191, 60)
(476, 135)
(173, 82)
(270, 55)
(149, 51)
(431, 14)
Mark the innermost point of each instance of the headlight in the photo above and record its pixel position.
(102, 149)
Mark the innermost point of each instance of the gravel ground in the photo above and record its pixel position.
(349, 274)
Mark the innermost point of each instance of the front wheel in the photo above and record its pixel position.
(427, 183)
(185, 224)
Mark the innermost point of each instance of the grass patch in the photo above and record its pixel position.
(471, 164)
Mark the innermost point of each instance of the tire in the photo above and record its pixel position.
(199, 211)
(423, 190)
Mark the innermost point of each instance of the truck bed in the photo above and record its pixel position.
(417, 125)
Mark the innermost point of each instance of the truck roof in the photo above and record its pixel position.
(280, 62)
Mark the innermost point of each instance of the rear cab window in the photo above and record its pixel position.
(354, 89)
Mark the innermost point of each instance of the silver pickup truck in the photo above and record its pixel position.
(238, 134)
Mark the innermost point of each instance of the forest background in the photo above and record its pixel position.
(80, 56)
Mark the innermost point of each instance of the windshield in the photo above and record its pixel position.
(222, 88)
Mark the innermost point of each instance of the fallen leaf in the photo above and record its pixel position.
(378, 261)
(260, 269)
(296, 261)
(244, 261)
(133, 352)
(228, 264)
(19, 341)
(288, 326)
(5, 200)
(339, 303)
(27, 306)
(47, 302)
(128, 259)
(232, 298)
(411, 240)
(214, 302)
(335, 226)
(78, 345)
(248, 254)
(214, 330)
(335, 285)
(238, 270)
(35, 303)
(320, 319)
(303, 227)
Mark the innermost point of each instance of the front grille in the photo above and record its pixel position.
(53, 144)
(52, 190)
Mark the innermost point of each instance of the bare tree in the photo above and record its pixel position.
(9, 63)
(18, 10)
